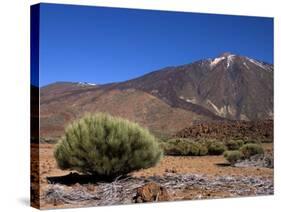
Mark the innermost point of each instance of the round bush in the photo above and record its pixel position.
(249, 150)
(234, 144)
(106, 145)
(216, 148)
(194, 149)
(177, 147)
(232, 156)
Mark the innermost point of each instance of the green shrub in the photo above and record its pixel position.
(216, 148)
(232, 156)
(194, 149)
(249, 150)
(106, 145)
(203, 150)
(234, 144)
(176, 147)
(184, 147)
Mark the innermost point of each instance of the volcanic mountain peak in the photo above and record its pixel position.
(215, 61)
(226, 56)
(227, 87)
(228, 59)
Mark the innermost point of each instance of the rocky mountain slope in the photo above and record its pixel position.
(168, 100)
(229, 86)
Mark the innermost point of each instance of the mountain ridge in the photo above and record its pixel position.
(228, 87)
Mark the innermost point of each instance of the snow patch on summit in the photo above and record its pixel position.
(245, 64)
(216, 61)
(259, 64)
(86, 84)
(229, 60)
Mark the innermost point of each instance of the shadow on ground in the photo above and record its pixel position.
(74, 178)
(222, 164)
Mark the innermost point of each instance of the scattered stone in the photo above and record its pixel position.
(171, 170)
(261, 129)
(158, 188)
(91, 187)
(59, 194)
(151, 192)
(261, 160)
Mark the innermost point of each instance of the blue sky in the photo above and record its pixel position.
(102, 45)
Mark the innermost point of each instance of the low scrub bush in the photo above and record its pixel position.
(107, 146)
(234, 144)
(184, 147)
(216, 148)
(251, 149)
(232, 156)
(203, 150)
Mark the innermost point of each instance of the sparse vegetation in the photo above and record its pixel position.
(197, 147)
(232, 156)
(106, 145)
(245, 152)
(190, 147)
(203, 150)
(215, 148)
(251, 149)
(184, 147)
(234, 144)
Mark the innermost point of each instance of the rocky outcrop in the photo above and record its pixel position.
(262, 130)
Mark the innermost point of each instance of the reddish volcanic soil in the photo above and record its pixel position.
(206, 165)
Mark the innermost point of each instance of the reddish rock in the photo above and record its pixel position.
(151, 192)
(262, 129)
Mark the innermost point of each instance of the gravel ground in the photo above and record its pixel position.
(179, 187)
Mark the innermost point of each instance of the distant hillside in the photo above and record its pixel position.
(229, 87)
